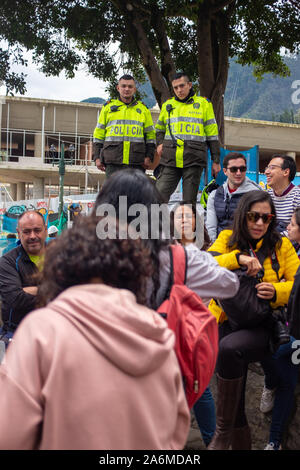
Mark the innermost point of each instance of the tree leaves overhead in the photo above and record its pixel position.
(269, 100)
(12, 80)
(266, 28)
(149, 37)
(35, 25)
(64, 34)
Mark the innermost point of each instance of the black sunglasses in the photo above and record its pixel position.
(234, 169)
(253, 216)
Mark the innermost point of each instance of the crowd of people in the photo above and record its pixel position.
(89, 363)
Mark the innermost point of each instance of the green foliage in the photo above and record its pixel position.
(144, 93)
(269, 99)
(13, 81)
(266, 27)
(288, 116)
(107, 36)
(94, 99)
(35, 25)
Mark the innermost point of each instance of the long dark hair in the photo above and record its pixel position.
(240, 237)
(193, 207)
(78, 256)
(297, 216)
(138, 189)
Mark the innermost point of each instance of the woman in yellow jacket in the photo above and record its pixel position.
(254, 226)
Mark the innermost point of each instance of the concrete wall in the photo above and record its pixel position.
(271, 137)
(34, 124)
(81, 118)
(60, 116)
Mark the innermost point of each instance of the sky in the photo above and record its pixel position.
(59, 88)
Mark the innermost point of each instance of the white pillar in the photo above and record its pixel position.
(76, 132)
(54, 119)
(20, 191)
(291, 154)
(2, 101)
(38, 188)
(13, 190)
(39, 145)
(43, 135)
(7, 132)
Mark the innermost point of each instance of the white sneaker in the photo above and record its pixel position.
(271, 446)
(267, 400)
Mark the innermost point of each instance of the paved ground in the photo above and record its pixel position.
(195, 441)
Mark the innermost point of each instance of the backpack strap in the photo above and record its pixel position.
(178, 267)
(178, 258)
(275, 264)
(261, 255)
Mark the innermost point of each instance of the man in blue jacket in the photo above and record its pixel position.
(222, 202)
(17, 269)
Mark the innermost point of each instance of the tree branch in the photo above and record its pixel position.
(137, 5)
(213, 36)
(205, 59)
(220, 5)
(295, 3)
(134, 24)
(167, 63)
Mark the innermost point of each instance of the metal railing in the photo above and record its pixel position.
(16, 143)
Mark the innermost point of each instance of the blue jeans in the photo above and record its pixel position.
(205, 414)
(6, 336)
(282, 374)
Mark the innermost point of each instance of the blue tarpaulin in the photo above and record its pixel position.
(252, 156)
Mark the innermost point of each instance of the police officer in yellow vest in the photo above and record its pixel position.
(124, 136)
(186, 127)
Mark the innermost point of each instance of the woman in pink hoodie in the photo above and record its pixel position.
(93, 368)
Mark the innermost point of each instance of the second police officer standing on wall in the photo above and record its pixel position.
(124, 136)
(186, 127)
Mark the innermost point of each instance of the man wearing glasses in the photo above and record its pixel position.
(223, 201)
(17, 269)
(280, 173)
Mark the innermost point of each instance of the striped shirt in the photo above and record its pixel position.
(286, 204)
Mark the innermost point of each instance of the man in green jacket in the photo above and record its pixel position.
(124, 136)
(186, 127)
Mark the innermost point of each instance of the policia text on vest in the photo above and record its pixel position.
(186, 129)
(124, 134)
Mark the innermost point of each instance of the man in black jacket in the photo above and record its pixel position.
(293, 309)
(17, 287)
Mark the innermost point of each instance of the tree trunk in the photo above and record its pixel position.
(134, 22)
(213, 60)
(167, 63)
(213, 50)
(205, 53)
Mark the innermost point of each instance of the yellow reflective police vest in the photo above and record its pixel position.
(188, 128)
(124, 130)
